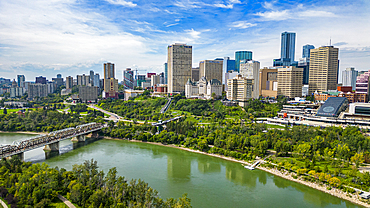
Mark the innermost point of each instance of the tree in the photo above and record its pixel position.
(303, 149)
(357, 159)
(5, 111)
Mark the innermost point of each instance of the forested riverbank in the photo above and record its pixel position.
(306, 152)
(275, 171)
(37, 185)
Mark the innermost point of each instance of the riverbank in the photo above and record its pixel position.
(354, 198)
(24, 132)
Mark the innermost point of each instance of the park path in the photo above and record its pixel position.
(2, 203)
(66, 202)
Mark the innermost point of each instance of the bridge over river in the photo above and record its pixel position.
(49, 141)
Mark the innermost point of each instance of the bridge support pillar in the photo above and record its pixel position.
(53, 147)
(80, 138)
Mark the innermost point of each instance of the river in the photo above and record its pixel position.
(208, 181)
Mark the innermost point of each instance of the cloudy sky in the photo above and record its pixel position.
(47, 37)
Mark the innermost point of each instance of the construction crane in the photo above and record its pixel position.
(137, 71)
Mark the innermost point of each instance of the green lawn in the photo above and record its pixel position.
(275, 126)
(321, 164)
(12, 110)
(58, 205)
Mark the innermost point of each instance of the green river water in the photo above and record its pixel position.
(208, 181)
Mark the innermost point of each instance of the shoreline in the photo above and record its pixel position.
(334, 191)
(23, 132)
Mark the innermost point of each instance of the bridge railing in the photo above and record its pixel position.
(35, 142)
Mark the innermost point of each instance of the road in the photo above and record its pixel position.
(113, 117)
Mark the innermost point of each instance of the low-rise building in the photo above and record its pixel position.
(16, 104)
(203, 88)
(240, 89)
(65, 91)
(132, 93)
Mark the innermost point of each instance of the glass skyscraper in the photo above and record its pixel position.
(287, 46)
(242, 55)
(306, 51)
(165, 73)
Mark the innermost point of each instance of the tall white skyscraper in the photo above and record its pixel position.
(349, 77)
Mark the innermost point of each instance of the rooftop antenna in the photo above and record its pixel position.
(330, 41)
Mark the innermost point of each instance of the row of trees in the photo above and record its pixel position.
(27, 185)
(44, 120)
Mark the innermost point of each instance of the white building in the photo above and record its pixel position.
(155, 80)
(251, 70)
(16, 92)
(349, 77)
(240, 89)
(230, 75)
(203, 88)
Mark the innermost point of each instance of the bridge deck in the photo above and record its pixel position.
(53, 137)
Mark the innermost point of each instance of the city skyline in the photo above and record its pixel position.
(74, 37)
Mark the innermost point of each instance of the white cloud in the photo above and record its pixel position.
(194, 34)
(274, 15)
(242, 24)
(170, 25)
(122, 3)
(55, 34)
(229, 6)
(315, 13)
(300, 11)
(188, 4)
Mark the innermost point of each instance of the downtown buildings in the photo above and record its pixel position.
(179, 65)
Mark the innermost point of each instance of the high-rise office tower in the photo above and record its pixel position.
(306, 51)
(290, 81)
(21, 79)
(323, 69)
(304, 62)
(179, 66)
(195, 74)
(251, 70)
(40, 80)
(58, 81)
(108, 70)
(69, 82)
(228, 65)
(110, 83)
(97, 80)
(349, 77)
(165, 73)
(92, 77)
(128, 79)
(210, 69)
(83, 80)
(287, 46)
(287, 50)
(242, 55)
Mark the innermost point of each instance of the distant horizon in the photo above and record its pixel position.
(74, 37)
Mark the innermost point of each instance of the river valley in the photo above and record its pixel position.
(208, 181)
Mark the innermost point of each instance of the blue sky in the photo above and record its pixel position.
(47, 37)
